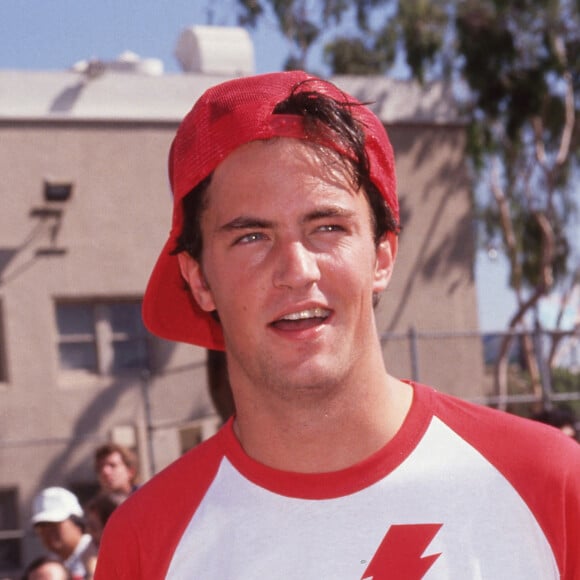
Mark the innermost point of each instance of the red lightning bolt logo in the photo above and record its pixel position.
(400, 554)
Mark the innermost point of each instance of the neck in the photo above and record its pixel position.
(324, 433)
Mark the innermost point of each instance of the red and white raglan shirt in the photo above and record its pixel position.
(461, 492)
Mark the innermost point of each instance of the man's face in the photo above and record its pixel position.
(290, 264)
(114, 475)
(59, 537)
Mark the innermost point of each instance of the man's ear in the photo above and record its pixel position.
(192, 271)
(385, 261)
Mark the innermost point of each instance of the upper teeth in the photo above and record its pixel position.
(311, 313)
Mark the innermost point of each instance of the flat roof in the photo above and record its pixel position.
(121, 96)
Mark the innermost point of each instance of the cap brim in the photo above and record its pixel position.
(50, 516)
(169, 309)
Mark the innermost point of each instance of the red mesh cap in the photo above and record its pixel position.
(224, 118)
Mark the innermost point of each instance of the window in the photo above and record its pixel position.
(10, 534)
(103, 338)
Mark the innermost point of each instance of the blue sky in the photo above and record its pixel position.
(54, 34)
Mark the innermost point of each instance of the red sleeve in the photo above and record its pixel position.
(142, 534)
(541, 463)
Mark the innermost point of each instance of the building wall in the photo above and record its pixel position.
(103, 246)
(433, 286)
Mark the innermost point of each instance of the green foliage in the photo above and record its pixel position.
(506, 65)
(352, 56)
(530, 236)
(565, 381)
(422, 24)
(251, 11)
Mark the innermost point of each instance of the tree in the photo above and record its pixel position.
(515, 65)
(523, 119)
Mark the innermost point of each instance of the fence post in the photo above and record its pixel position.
(145, 388)
(545, 376)
(414, 350)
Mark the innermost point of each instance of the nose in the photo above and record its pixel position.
(295, 266)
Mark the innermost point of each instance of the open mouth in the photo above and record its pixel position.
(302, 319)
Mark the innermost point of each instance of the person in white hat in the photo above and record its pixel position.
(57, 517)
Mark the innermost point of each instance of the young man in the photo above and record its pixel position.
(116, 468)
(283, 237)
(58, 521)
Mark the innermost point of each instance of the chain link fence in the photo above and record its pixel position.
(542, 367)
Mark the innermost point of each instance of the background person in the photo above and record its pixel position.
(562, 418)
(57, 518)
(98, 510)
(117, 468)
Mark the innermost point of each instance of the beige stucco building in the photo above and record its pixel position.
(85, 209)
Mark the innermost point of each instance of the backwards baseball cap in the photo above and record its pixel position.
(226, 117)
(55, 504)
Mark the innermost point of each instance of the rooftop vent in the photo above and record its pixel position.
(215, 50)
(127, 62)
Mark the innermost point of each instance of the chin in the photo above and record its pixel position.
(313, 380)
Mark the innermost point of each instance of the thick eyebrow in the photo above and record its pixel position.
(333, 211)
(245, 223)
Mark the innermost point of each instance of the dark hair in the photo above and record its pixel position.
(194, 204)
(557, 417)
(104, 504)
(325, 119)
(41, 561)
(79, 522)
(129, 458)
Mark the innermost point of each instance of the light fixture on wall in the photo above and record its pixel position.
(57, 191)
(56, 194)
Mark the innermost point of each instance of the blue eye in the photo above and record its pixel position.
(249, 238)
(331, 228)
